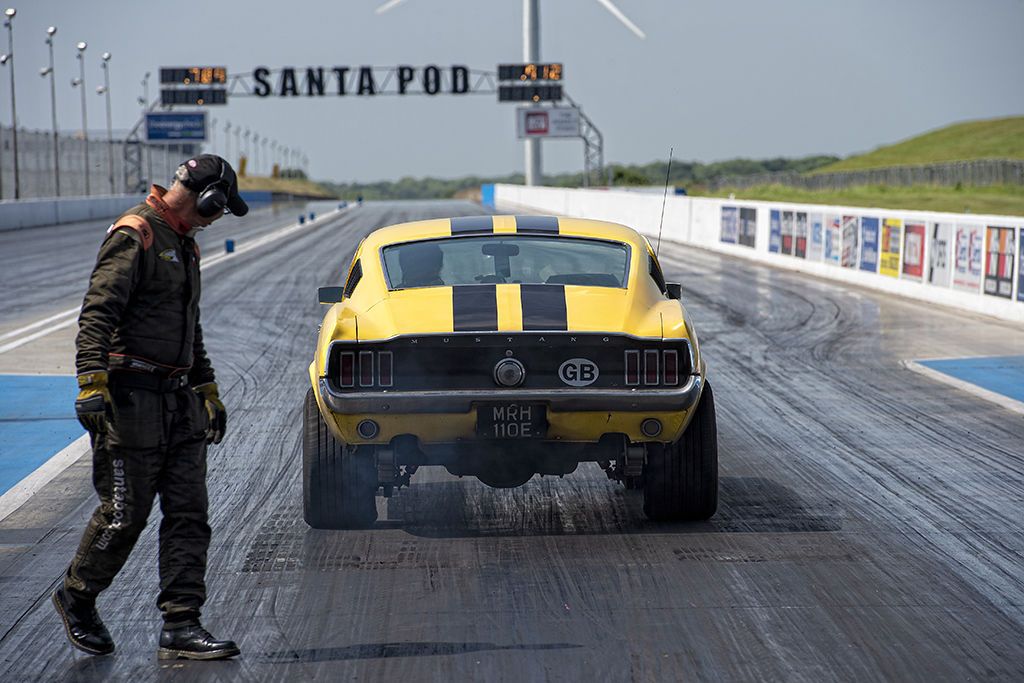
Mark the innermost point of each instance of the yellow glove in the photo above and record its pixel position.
(92, 407)
(216, 411)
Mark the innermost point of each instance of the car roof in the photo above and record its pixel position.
(438, 228)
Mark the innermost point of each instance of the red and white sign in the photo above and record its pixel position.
(547, 122)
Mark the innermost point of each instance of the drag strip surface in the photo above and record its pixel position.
(46, 269)
(869, 526)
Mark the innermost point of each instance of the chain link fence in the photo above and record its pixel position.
(981, 172)
(36, 164)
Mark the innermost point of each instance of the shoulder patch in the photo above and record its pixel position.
(136, 223)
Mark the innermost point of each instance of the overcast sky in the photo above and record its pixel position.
(716, 79)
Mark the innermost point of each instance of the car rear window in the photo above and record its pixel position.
(506, 259)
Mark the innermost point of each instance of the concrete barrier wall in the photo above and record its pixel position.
(30, 213)
(967, 261)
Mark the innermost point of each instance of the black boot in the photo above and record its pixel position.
(194, 642)
(82, 624)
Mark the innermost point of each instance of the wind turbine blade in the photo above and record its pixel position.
(617, 13)
(388, 5)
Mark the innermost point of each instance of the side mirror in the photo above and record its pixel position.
(674, 290)
(330, 295)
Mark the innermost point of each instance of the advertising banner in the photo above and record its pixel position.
(968, 260)
(913, 251)
(176, 126)
(800, 236)
(775, 232)
(1020, 269)
(850, 244)
(817, 244)
(892, 237)
(547, 122)
(748, 227)
(1000, 251)
(869, 244)
(833, 239)
(787, 232)
(940, 254)
(730, 224)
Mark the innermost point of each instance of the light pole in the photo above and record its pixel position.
(9, 59)
(80, 82)
(105, 90)
(144, 101)
(48, 71)
(266, 159)
(246, 136)
(227, 141)
(531, 55)
(256, 153)
(238, 147)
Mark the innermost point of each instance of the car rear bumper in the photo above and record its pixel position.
(559, 400)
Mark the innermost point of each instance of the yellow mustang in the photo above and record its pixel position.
(501, 347)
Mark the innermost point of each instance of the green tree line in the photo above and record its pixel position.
(684, 174)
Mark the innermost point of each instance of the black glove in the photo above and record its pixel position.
(215, 410)
(92, 407)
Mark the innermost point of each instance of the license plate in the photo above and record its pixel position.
(511, 421)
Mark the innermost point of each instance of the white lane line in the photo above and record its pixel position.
(38, 323)
(991, 396)
(69, 317)
(44, 474)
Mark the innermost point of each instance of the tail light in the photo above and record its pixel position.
(651, 374)
(384, 368)
(366, 368)
(671, 368)
(371, 368)
(660, 368)
(348, 369)
(632, 368)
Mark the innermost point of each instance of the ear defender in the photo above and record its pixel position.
(213, 199)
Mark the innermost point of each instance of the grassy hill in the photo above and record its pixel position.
(996, 199)
(297, 186)
(989, 139)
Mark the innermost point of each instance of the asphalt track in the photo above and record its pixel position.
(870, 524)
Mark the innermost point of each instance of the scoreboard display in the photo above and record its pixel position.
(193, 96)
(194, 75)
(530, 82)
(530, 72)
(528, 92)
(193, 85)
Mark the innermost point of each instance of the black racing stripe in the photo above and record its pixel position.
(537, 224)
(475, 308)
(469, 224)
(543, 307)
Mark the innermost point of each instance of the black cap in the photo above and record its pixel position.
(207, 169)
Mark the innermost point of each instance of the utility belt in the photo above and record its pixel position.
(138, 364)
(152, 382)
(130, 371)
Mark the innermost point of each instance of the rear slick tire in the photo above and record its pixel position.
(339, 482)
(680, 480)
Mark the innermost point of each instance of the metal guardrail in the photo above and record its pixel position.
(979, 172)
(35, 149)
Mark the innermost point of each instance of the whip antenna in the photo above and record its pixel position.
(664, 198)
